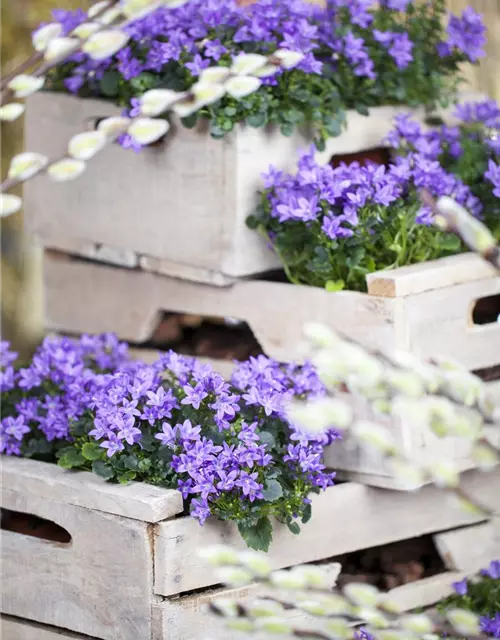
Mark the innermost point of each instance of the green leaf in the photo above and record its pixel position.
(70, 459)
(148, 442)
(294, 528)
(190, 121)
(306, 514)
(256, 120)
(109, 84)
(131, 462)
(92, 451)
(272, 490)
(253, 222)
(267, 438)
(287, 129)
(362, 109)
(334, 285)
(102, 469)
(125, 478)
(258, 536)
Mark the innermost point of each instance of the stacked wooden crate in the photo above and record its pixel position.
(128, 568)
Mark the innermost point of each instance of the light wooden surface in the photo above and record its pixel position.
(429, 276)
(82, 296)
(137, 500)
(345, 518)
(469, 549)
(99, 584)
(16, 629)
(185, 203)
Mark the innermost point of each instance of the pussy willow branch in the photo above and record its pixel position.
(7, 94)
(10, 183)
(455, 225)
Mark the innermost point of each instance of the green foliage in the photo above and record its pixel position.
(258, 535)
(483, 597)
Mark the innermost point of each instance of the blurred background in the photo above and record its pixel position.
(21, 278)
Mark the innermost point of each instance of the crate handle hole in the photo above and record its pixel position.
(486, 310)
(31, 525)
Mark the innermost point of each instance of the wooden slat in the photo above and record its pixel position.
(435, 274)
(425, 592)
(469, 549)
(136, 500)
(99, 584)
(17, 629)
(345, 518)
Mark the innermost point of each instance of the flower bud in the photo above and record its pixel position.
(114, 126)
(27, 164)
(42, 36)
(288, 59)
(264, 608)
(485, 457)
(313, 575)
(247, 63)
(319, 335)
(274, 626)
(408, 474)
(173, 4)
(219, 555)
(266, 71)
(256, 562)
(406, 382)
(464, 622)
(363, 595)
(84, 146)
(60, 48)
(287, 580)
(233, 576)
(242, 86)
(134, 9)
(475, 235)
(110, 16)
(97, 8)
(66, 169)
(319, 414)
(207, 93)
(12, 111)
(419, 624)
(85, 30)
(105, 44)
(375, 435)
(225, 607)
(373, 617)
(444, 473)
(240, 624)
(339, 628)
(148, 130)
(24, 85)
(214, 75)
(9, 204)
(156, 101)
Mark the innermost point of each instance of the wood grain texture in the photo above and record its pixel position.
(136, 500)
(469, 549)
(345, 518)
(17, 629)
(427, 276)
(99, 584)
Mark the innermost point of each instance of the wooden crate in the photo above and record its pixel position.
(179, 209)
(425, 309)
(132, 571)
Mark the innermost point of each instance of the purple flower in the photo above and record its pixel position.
(194, 396)
(467, 34)
(200, 510)
(214, 49)
(227, 479)
(401, 50)
(168, 435)
(197, 65)
(188, 432)
(113, 445)
(491, 625)
(249, 485)
(460, 587)
(493, 571)
(493, 175)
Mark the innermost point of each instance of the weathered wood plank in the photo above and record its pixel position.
(17, 629)
(425, 592)
(334, 529)
(435, 274)
(469, 549)
(186, 618)
(136, 500)
(99, 584)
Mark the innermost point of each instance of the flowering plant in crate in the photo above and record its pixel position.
(470, 151)
(331, 227)
(228, 448)
(480, 595)
(357, 55)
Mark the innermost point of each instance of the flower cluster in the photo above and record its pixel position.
(470, 151)
(356, 54)
(332, 226)
(482, 596)
(228, 447)
(41, 400)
